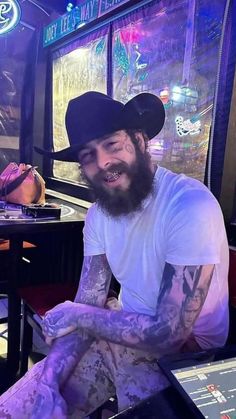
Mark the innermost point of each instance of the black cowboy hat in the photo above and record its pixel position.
(94, 115)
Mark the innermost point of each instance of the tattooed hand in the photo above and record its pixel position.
(61, 320)
(49, 404)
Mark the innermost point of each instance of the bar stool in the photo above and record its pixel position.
(4, 249)
(36, 300)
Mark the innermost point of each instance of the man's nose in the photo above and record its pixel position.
(103, 159)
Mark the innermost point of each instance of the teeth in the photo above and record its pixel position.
(111, 177)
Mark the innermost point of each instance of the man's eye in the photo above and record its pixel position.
(112, 145)
(86, 157)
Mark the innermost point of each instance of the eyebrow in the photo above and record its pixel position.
(99, 140)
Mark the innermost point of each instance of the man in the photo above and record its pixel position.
(162, 236)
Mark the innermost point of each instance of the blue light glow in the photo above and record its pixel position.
(69, 7)
(10, 13)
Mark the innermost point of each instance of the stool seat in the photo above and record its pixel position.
(41, 298)
(5, 245)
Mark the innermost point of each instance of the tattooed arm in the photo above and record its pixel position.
(181, 297)
(93, 289)
(66, 351)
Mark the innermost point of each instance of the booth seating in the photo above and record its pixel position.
(232, 295)
(232, 275)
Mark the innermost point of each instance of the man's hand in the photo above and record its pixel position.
(49, 403)
(61, 320)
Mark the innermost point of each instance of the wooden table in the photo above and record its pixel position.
(17, 231)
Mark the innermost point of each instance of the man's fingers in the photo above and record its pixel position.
(49, 340)
(50, 336)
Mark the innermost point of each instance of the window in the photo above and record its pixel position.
(77, 68)
(168, 48)
(172, 52)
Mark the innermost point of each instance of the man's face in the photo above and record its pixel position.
(191, 308)
(119, 172)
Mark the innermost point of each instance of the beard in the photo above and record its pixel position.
(119, 202)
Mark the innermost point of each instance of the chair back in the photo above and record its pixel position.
(232, 275)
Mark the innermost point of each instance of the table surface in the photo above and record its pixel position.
(15, 222)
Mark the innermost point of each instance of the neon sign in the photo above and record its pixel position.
(190, 126)
(185, 127)
(9, 15)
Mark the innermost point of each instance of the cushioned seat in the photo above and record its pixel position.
(42, 298)
(36, 300)
(5, 245)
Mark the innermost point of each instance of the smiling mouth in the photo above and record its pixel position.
(112, 177)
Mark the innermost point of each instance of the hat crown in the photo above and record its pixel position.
(94, 115)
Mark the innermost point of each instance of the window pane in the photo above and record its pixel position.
(172, 51)
(14, 59)
(80, 67)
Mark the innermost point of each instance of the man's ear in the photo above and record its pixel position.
(140, 140)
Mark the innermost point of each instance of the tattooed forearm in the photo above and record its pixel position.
(63, 357)
(95, 281)
(178, 308)
(68, 350)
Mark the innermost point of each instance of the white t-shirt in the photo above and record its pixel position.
(181, 223)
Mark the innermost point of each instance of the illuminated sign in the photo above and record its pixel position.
(9, 15)
(185, 127)
(86, 12)
(190, 126)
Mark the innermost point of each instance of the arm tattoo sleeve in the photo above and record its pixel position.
(68, 350)
(95, 281)
(181, 297)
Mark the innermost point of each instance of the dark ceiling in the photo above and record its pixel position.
(58, 6)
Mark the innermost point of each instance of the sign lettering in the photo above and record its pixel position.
(86, 12)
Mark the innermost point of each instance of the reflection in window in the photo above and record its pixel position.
(77, 68)
(172, 51)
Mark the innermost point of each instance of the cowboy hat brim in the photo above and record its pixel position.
(69, 154)
(144, 111)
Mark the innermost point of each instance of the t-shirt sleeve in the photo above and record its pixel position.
(92, 233)
(194, 229)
